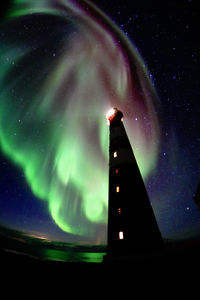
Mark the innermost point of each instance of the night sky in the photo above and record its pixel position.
(165, 34)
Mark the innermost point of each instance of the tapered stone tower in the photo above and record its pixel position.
(132, 226)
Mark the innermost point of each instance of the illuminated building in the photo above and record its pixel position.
(131, 222)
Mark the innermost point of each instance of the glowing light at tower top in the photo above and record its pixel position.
(112, 113)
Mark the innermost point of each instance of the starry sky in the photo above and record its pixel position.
(164, 35)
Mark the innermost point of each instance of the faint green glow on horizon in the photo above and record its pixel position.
(55, 93)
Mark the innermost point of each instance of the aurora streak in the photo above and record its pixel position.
(63, 65)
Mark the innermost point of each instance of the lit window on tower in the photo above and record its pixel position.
(117, 189)
(115, 154)
(121, 235)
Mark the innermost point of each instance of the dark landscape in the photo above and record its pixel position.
(25, 258)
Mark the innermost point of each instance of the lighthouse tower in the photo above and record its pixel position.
(132, 226)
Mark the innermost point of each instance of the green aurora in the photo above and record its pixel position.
(62, 68)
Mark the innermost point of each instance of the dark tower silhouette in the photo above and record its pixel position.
(132, 226)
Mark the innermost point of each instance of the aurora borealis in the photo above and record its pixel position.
(64, 64)
(62, 69)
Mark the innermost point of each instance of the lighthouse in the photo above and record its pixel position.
(132, 226)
